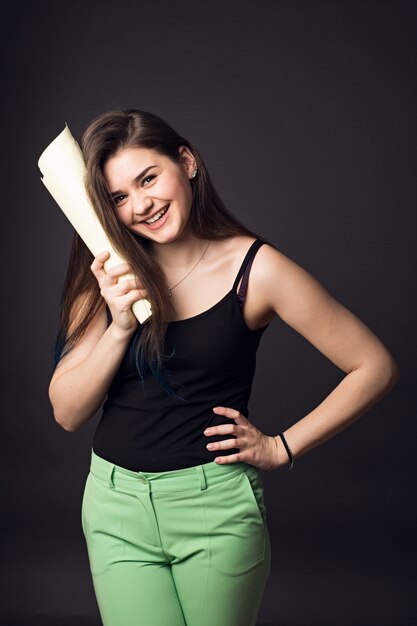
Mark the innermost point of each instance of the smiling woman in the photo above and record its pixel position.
(173, 509)
(119, 147)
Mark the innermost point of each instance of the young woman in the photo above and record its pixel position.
(173, 508)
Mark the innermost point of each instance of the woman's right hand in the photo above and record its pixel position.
(119, 296)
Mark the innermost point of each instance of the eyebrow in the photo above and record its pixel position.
(137, 179)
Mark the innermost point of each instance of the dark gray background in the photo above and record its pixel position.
(305, 115)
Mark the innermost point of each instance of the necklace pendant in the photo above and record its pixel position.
(169, 292)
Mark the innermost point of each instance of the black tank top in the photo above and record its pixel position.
(214, 361)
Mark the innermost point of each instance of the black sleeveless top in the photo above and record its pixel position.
(144, 429)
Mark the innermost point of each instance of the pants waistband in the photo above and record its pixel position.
(190, 478)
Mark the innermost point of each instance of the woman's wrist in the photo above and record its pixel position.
(285, 457)
(119, 334)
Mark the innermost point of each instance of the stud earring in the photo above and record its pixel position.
(194, 173)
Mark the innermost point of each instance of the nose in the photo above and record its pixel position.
(141, 206)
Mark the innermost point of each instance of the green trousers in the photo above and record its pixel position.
(186, 547)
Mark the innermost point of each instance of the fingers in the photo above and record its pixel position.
(239, 430)
(225, 444)
(111, 277)
(134, 295)
(124, 286)
(224, 429)
(120, 289)
(119, 270)
(231, 413)
(97, 266)
(230, 458)
(225, 410)
(254, 447)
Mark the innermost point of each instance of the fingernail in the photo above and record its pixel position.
(207, 431)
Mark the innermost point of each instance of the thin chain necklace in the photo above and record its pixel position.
(193, 268)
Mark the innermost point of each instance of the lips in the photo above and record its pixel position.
(156, 213)
(159, 223)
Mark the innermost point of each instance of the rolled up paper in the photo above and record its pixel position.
(63, 172)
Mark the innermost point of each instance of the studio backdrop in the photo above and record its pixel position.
(305, 115)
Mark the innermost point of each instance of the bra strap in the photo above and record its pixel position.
(245, 270)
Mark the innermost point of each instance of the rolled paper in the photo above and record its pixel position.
(63, 172)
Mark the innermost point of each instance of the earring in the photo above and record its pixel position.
(194, 173)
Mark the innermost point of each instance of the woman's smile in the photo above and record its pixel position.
(158, 220)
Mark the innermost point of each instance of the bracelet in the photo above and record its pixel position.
(288, 449)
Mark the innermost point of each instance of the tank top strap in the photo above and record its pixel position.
(245, 269)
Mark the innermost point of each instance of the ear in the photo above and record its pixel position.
(187, 159)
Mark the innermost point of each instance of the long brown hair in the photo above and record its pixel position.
(210, 219)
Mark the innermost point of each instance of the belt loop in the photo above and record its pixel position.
(202, 477)
(110, 476)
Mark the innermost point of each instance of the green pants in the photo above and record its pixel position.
(186, 547)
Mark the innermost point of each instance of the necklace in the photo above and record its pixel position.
(193, 268)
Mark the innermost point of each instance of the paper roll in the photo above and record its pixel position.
(63, 174)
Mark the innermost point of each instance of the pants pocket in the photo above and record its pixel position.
(101, 517)
(256, 491)
(83, 504)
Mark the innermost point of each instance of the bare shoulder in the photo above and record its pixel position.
(265, 294)
(227, 255)
(235, 245)
(232, 250)
(289, 290)
(286, 289)
(277, 276)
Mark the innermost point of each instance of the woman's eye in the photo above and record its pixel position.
(118, 199)
(149, 177)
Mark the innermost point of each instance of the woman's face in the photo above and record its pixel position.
(143, 182)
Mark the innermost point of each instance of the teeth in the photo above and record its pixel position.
(156, 217)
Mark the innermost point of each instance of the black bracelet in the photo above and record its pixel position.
(288, 449)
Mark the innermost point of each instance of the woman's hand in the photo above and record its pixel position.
(118, 295)
(255, 448)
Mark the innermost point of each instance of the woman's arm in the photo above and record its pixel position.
(82, 378)
(302, 302)
(278, 286)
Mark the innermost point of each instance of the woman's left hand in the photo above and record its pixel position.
(255, 448)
